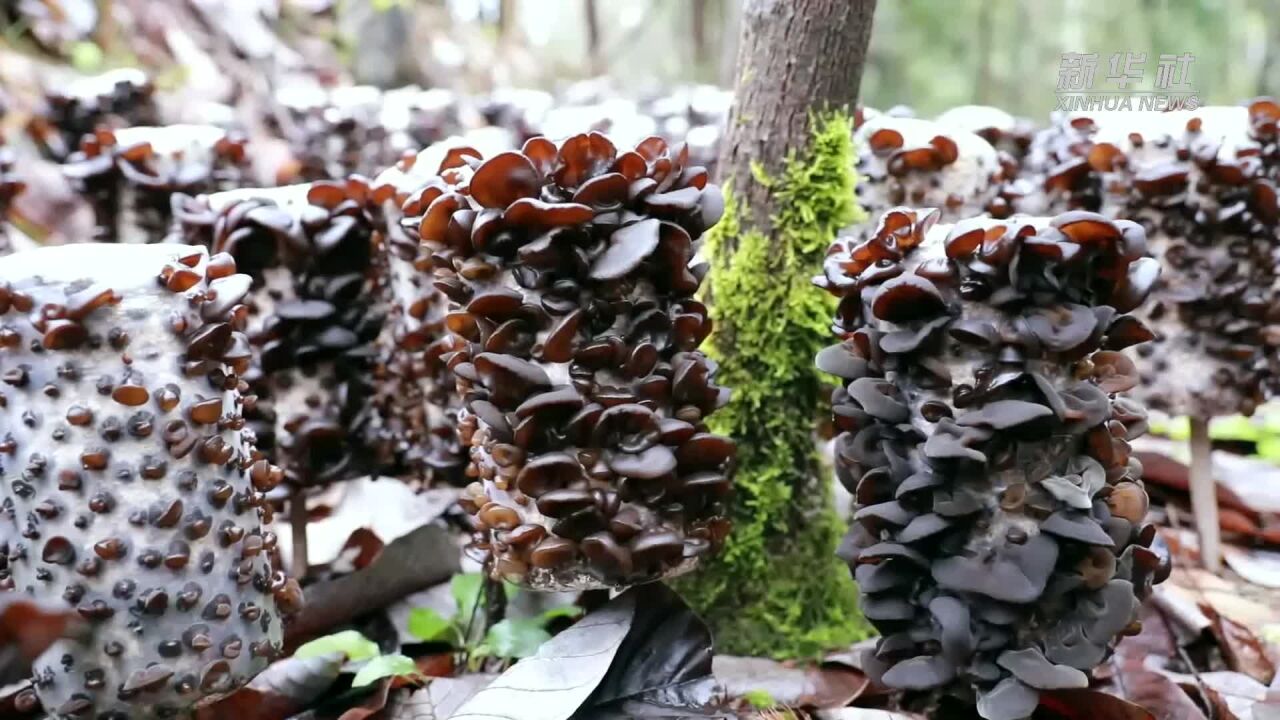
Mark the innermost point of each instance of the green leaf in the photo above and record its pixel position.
(565, 611)
(348, 642)
(428, 625)
(516, 638)
(466, 589)
(384, 666)
(759, 699)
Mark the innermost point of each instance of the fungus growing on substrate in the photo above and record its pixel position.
(334, 133)
(417, 400)
(1201, 183)
(907, 161)
(138, 497)
(999, 542)
(568, 271)
(130, 176)
(311, 318)
(1006, 133)
(115, 99)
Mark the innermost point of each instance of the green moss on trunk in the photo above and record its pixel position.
(778, 589)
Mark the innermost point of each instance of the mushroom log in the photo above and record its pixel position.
(999, 540)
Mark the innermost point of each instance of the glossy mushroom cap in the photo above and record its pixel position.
(569, 270)
(998, 543)
(138, 495)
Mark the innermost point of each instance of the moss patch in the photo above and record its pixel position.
(778, 589)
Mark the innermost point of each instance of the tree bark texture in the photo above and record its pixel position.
(794, 57)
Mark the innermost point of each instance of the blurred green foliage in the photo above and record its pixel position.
(1260, 432)
(935, 55)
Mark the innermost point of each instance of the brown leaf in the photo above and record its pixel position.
(438, 700)
(1088, 704)
(1240, 648)
(438, 665)
(367, 545)
(285, 688)
(1160, 469)
(1240, 693)
(31, 627)
(372, 704)
(1137, 683)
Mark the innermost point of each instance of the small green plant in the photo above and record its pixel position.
(759, 699)
(508, 639)
(358, 648)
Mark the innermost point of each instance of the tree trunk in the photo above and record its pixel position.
(698, 37)
(778, 588)
(982, 92)
(506, 18)
(794, 57)
(593, 36)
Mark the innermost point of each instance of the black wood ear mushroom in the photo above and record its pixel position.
(999, 540)
(570, 279)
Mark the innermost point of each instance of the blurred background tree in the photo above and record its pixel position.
(927, 54)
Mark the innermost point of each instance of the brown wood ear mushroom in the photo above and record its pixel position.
(987, 447)
(138, 496)
(569, 271)
(920, 163)
(114, 99)
(132, 176)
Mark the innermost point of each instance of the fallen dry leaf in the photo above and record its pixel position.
(1089, 704)
(1136, 682)
(1239, 692)
(811, 687)
(372, 704)
(27, 628)
(1241, 649)
(438, 700)
(285, 688)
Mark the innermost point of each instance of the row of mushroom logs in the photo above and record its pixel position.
(137, 494)
(999, 540)
(115, 99)
(418, 403)
(1202, 184)
(130, 176)
(312, 319)
(570, 279)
